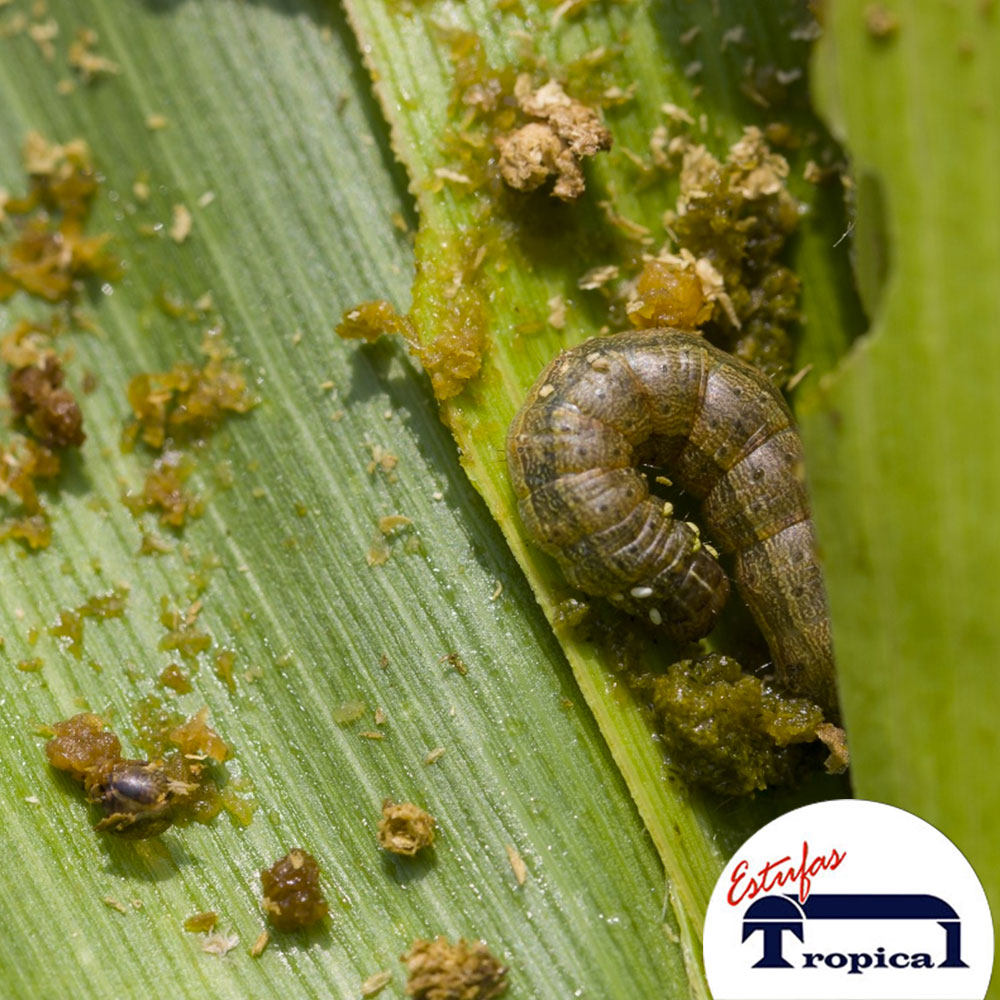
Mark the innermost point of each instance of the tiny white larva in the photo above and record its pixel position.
(721, 431)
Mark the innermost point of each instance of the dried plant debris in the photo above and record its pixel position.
(369, 320)
(201, 923)
(45, 423)
(49, 410)
(439, 970)
(188, 402)
(375, 983)
(257, 948)
(292, 895)
(517, 865)
(730, 732)
(85, 60)
(455, 355)
(80, 745)
(405, 828)
(220, 944)
(43, 248)
(140, 798)
(735, 217)
(100, 607)
(563, 132)
(164, 491)
(176, 410)
(183, 634)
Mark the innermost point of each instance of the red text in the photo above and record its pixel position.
(780, 873)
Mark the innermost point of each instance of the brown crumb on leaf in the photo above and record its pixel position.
(439, 970)
(553, 146)
(81, 744)
(100, 607)
(48, 409)
(734, 218)
(183, 634)
(49, 254)
(197, 740)
(292, 895)
(187, 402)
(164, 490)
(405, 828)
(383, 460)
(174, 678)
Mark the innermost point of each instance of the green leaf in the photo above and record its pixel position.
(526, 253)
(266, 106)
(906, 435)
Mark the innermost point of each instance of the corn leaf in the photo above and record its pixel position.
(904, 435)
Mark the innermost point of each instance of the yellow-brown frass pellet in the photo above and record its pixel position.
(81, 744)
(439, 970)
(48, 408)
(292, 895)
(405, 828)
(201, 923)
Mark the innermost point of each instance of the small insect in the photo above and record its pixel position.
(136, 798)
(721, 431)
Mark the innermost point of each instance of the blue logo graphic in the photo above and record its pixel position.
(774, 915)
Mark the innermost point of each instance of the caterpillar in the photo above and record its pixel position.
(722, 432)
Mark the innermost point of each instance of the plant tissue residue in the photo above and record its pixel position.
(731, 222)
(440, 970)
(49, 255)
(174, 409)
(45, 421)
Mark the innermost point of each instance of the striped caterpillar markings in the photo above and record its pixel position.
(722, 432)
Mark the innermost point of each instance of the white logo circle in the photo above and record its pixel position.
(848, 900)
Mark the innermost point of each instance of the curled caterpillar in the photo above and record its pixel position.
(722, 432)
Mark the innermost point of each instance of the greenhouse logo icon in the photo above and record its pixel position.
(893, 911)
(774, 916)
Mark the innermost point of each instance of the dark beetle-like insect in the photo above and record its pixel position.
(722, 431)
(136, 798)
